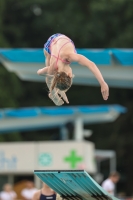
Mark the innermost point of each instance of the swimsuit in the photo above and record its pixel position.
(48, 44)
(49, 41)
(44, 197)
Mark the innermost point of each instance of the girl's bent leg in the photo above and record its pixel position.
(47, 63)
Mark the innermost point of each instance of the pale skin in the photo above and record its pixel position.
(67, 53)
(46, 190)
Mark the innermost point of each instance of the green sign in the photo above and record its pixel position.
(45, 159)
(73, 159)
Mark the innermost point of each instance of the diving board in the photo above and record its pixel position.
(116, 65)
(39, 118)
(73, 184)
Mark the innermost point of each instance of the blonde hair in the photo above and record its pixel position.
(61, 81)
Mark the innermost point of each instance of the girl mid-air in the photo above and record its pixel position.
(60, 51)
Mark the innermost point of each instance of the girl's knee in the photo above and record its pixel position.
(50, 95)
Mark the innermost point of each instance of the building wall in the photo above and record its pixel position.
(25, 157)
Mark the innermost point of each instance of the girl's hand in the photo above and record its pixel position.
(63, 95)
(105, 90)
(56, 99)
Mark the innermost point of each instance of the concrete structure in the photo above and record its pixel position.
(21, 158)
(116, 65)
(47, 117)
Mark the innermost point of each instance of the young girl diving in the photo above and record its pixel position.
(60, 51)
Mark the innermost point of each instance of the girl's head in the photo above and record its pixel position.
(61, 81)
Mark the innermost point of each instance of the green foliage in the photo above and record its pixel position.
(10, 89)
(90, 23)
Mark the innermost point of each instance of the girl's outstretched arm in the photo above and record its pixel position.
(82, 60)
